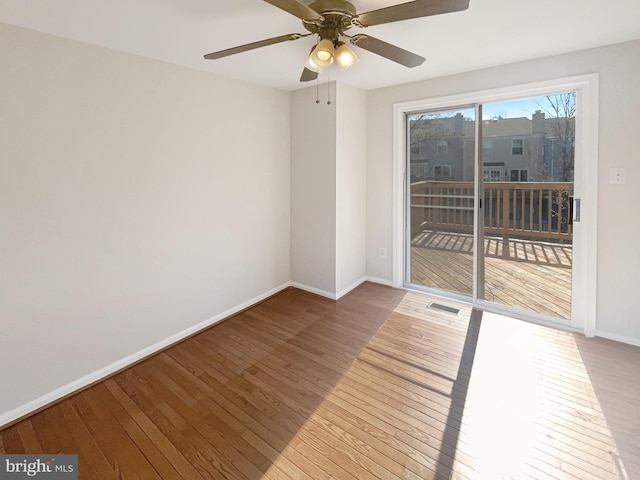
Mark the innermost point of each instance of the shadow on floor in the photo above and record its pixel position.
(513, 249)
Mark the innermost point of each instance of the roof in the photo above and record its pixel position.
(495, 128)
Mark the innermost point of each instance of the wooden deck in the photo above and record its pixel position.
(531, 275)
(379, 385)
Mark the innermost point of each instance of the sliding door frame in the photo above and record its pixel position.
(407, 240)
(583, 305)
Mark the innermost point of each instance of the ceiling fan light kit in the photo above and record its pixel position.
(312, 66)
(345, 57)
(323, 54)
(330, 19)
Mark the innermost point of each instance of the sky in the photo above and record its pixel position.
(508, 109)
(512, 109)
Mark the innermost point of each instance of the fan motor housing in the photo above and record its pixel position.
(337, 15)
(335, 7)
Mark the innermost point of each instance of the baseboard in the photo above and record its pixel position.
(618, 338)
(324, 293)
(380, 281)
(50, 398)
(317, 291)
(346, 290)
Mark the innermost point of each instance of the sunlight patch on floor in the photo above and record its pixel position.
(517, 418)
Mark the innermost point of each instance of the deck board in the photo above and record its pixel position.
(374, 386)
(529, 275)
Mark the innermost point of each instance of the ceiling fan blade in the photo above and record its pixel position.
(296, 8)
(251, 46)
(406, 11)
(308, 75)
(384, 49)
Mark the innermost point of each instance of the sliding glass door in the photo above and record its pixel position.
(528, 174)
(440, 236)
(490, 205)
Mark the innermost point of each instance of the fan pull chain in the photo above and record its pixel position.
(328, 87)
(318, 89)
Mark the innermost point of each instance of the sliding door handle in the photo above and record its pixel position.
(575, 210)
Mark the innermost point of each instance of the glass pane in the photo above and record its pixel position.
(441, 189)
(527, 229)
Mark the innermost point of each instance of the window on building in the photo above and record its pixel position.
(519, 175)
(442, 171)
(517, 146)
(443, 146)
(487, 149)
(492, 175)
(419, 170)
(415, 149)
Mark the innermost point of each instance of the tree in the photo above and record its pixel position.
(560, 111)
(425, 130)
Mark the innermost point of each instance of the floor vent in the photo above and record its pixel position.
(444, 308)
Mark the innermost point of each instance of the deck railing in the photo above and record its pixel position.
(540, 210)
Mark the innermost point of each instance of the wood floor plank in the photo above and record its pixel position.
(375, 386)
(154, 456)
(222, 425)
(146, 424)
(89, 454)
(284, 466)
(205, 432)
(246, 404)
(174, 427)
(69, 441)
(421, 450)
(43, 424)
(390, 453)
(124, 456)
(11, 441)
(403, 395)
(28, 437)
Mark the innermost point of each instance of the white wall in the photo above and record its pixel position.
(313, 191)
(351, 187)
(328, 191)
(137, 199)
(618, 302)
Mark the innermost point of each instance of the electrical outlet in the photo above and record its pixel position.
(617, 176)
(383, 252)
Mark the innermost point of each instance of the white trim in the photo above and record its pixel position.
(449, 296)
(398, 178)
(334, 296)
(478, 213)
(584, 286)
(129, 360)
(317, 291)
(348, 289)
(524, 315)
(379, 281)
(585, 259)
(618, 338)
(514, 92)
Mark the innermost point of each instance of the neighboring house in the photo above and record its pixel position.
(514, 149)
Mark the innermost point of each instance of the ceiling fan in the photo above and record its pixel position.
(330, 19)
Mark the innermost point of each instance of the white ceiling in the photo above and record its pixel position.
(490, 32)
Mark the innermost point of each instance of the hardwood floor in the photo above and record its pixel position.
(379, 385)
